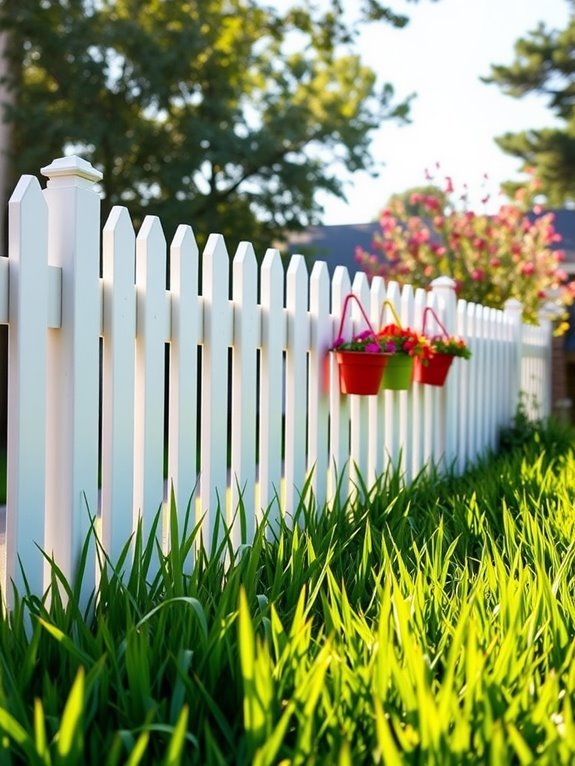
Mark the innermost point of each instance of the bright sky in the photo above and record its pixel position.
(441, 55)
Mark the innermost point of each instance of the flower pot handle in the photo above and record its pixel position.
(348, 298)
(391, 307)
(428, 310)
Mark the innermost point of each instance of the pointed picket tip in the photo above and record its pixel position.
(272, 263)
(407, 293)
(28, 187)
(341, 278)
(319, 272)
(297, 265)
(378, 284)
(394, 297)
(119, 222)
(151, 231)
(216, 247)
(245, 255)
(420, 294)
(184, 238)
(215, 258)
(360, 282)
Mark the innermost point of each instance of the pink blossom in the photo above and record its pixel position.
(477, 275)
(527, 269)
(372, 348)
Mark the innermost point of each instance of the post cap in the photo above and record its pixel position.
(513, 306)
(71, 171)
(444, 283)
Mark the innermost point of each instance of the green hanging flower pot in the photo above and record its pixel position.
(398, 372)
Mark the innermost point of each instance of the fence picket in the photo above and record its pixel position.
(183, 370)
(318, 412)
(463, 405)
(391, 398)
(376, 409)
(244, 389)
(118, 376)
(151, 320)
(358, 406)
(338, 404)
(273, 334)
(27, 340)
(214, 397)
(418, 413)
(405, 398)
(296, 381)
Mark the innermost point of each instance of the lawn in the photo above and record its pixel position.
(433, 624)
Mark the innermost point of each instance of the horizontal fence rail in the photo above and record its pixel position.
(115, 373)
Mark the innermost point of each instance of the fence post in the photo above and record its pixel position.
(73, 364)
(444, 290)
(514, 315)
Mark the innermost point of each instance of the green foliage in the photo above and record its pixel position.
(223, 113)
(543, 65)
(428, 624)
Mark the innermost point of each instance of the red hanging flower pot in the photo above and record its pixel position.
(434, 373)
(360, 372)
(444, 347)
(361, 361)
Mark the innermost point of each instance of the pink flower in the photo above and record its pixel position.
(372, 348)
(527, 269)
(477, 275)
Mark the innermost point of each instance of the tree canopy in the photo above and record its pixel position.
(223, 113)
(544, 64)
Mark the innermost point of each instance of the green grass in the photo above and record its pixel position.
(427, 625)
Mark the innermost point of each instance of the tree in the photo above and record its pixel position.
(222, 113)
(544, 64)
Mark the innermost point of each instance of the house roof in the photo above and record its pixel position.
(333, 244)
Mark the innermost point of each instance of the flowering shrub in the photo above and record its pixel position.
(490, 257)
(402, 340)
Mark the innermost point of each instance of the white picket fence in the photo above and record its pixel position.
(257, 422)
